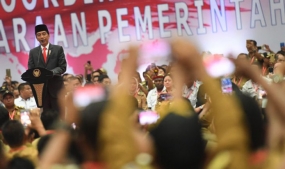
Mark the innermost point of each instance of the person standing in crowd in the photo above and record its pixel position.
(8, 101)
(237, 79)
(105, 80)
(138, 94)
(26, 98)
(74, 82)
(190, 91)
(155, 93)
(50, 57)
(253, 54)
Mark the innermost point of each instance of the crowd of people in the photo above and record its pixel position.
(189, 122)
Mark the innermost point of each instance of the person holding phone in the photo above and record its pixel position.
(253, 49)
(50, 57)
(154, 93)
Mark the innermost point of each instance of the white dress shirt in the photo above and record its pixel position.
(191, 93)
(152, 97)
(27, 104)
(47, 46)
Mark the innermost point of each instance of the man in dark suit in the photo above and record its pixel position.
(50, 57)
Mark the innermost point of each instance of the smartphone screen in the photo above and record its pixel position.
(25, 119)
(148, 117)
(8, 72)
(83, 96)
(218, 66)
(270, 70)
(165, 96)
(226, 84)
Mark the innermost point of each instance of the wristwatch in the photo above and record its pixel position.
(277, 78)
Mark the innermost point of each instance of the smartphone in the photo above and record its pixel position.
(282, 44)
(89, 62)
(165, 96)
(25, 119)
(218, 65)
(148, 117)
(83, 96)
(8, 72)
(226, 85)
(270, 70)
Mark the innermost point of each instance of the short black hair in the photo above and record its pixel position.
(102, 77)
(20, 162)
(14, 82)
(90, 119)
(279, 53)
(21, 86)
(246, 55)
(48, 118)
(13, 132)
(4, 116)
(42, 143)
(160, 67)
(254, 42)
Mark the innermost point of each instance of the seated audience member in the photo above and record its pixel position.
(138, 94)
(154, 93)
(14, 111)
(4, 116)
(65, 76)
(19, 162)
(161, 71)
(105, 80)
(48, 118)
(26, 99)
(74, 82)
(280, 57)
(16, 93)
(190, 91)
(14, 136)
(237, 79)
(95, 79)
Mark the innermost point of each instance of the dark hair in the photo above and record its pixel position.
(90, 122)
(279, 53)
(14, 82)
(167, 75)
(178, 142)
(98, 70)
(73, 150)
(246, 55)
(48, 118)
(42, 143)
(254, 42)
(159, 67)
(253, 118)
(21, 86)
(20, 162)
(102, 77)
(4, 116)
(13, 133)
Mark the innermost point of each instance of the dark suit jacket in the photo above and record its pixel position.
(56, 63)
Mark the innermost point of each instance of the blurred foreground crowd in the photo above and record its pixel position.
(176, 117)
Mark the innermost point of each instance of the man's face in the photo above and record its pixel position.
(75, 83)
(161, 72)
(250, 46)
(96, 80)
(16, 94)
(42, 37)
(95, 74)
(26, 92)
(8, 100)
(280, 58)
(159, 83)
(106, 82)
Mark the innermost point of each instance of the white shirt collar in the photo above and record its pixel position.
(47, 46)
